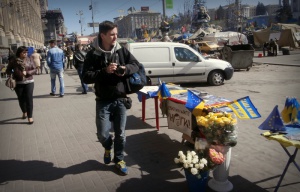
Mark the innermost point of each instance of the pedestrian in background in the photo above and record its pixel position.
(70, 58)
(55, 61)
(195, 46)
(36, 57)
(23, 70)
(100, 67)
(43, 61)
(79, 57)
(265, 48)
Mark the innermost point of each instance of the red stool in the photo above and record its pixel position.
(259, 55)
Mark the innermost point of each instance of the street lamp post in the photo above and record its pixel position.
(92, 9)
(80, 13)
(164, 9)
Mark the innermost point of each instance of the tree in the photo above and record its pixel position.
(220, 14)
(284, 13)
(185, 17)
(260, 9)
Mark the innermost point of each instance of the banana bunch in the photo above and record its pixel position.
(213, 119)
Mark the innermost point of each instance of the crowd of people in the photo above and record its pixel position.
(53, 60)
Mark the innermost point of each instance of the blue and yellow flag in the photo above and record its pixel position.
(273, 122)
(194, 103)
(244, 109)
(291, 110)
(162, 92)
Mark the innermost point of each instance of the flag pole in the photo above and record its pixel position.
(93, 16)
(164, 9)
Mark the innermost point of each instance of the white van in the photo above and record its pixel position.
(179, 63)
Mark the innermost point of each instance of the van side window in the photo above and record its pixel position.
(183, 54)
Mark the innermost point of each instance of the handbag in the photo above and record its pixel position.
(10, 83)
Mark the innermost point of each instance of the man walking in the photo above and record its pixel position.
(55, 60)
(107, 66)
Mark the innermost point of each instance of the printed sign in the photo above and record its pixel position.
(179, 118)
(169, 4)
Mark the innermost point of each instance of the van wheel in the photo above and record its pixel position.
(216, 78)
(149, 82)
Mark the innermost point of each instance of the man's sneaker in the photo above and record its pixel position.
(107, 156)
(52, 94)
(122, 168)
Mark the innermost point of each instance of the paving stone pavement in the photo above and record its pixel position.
(60, 151)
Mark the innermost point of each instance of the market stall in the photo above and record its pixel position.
(284, 128)
(198, 116)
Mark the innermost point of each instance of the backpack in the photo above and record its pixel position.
(136, 81)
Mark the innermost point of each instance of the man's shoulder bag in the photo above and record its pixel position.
(136, 81)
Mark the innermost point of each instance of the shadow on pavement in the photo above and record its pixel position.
(241, 184)
(134, 122)
(11, 121)
(9, 99)
(35, 170)
(151, 154)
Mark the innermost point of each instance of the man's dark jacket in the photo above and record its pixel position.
(108, 86)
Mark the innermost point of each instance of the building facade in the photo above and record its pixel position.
(55, 28)
(135, 22)
(20, 23)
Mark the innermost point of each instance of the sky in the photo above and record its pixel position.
(109, 9)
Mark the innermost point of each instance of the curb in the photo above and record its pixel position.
(281, 64)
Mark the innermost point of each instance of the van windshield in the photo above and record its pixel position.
(184, 54)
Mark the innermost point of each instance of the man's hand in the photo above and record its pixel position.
(111, 68)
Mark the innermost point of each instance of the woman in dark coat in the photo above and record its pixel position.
(23, 69)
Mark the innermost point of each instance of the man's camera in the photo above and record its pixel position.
(120, 70)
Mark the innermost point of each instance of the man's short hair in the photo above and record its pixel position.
(106, 26)
(52, 41)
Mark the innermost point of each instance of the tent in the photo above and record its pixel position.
(228, 37)
(286, 34)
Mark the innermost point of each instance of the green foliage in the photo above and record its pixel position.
(220, 13)
(284, 13)
(260, 9)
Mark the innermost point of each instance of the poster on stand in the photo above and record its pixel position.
(179, 118)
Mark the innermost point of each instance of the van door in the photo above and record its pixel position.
(186, 67)
(157, 62)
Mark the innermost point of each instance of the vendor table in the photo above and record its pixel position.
(143, 94)
(284, 143)
(178, 97)
(156, 110)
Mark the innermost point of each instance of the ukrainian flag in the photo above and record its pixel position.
(244, 109)
(194, 103)
(291, 110)
(162, 92)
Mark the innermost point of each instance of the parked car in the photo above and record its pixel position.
(179, 63)
(208, 46)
